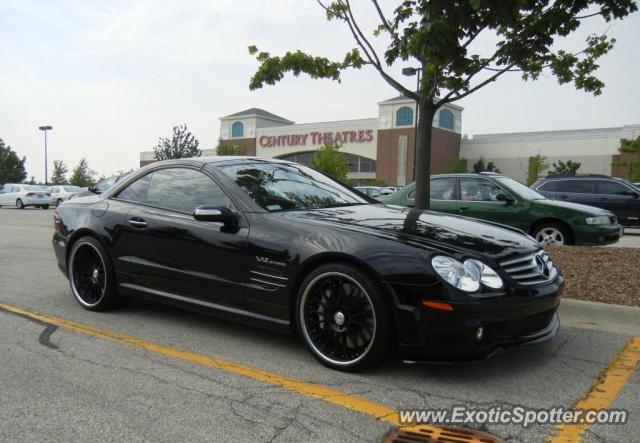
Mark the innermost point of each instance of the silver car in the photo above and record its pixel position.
(60, 193)
(21, 196)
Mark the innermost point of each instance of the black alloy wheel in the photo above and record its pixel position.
(91, 275)
(343, 318)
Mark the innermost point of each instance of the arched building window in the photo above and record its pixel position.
(237, 129)
(446, 119)
(404, 116)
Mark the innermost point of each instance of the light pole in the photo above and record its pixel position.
(45, 129)
(411, 72)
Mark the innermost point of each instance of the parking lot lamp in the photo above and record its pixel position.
(45, 129)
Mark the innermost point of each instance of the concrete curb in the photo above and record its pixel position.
(618, 319)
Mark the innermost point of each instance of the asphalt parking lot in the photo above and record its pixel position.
(133, 374)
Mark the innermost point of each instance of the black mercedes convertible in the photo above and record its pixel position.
(280, 245)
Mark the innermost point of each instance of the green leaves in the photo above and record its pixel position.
(11, 166)
(182, 144)
(330, 160)
(273, 69)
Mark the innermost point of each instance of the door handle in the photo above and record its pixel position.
(463, 208)
(138, 223)
(563, 197)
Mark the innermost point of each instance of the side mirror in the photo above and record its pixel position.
(218, 214)
(633, 194)
(505, 198)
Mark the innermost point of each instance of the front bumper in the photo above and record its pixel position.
(586, 235)
(452, 336)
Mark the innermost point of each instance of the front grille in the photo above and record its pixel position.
(530, 269)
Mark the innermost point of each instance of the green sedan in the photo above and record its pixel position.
(499, 199)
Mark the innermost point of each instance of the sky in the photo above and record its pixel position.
(112, 77)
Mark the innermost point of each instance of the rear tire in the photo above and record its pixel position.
(552, 234)
(19, 204)
(44, 206)
(344, 318)
(91, 276)
(59, 202)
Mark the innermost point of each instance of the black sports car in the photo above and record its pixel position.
(277, 244)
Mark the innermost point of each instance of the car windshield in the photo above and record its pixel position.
(106, 183)
(286, 187)
(520, 189)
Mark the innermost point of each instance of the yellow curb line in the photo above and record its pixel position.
(603, 391)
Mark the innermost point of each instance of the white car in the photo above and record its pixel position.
(21, 196)
(60, 193)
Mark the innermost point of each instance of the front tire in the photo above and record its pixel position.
(59, 202)
(91, 275)
(344, 318)
(19, 204)
(44, 206)
(552, 234)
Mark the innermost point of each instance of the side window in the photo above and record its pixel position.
(181, 189)
(479, 190)
(551, 186)
(443, 188)
(137, 191)
(578, 186)
(612, 188)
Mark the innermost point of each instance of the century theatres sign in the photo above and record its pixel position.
(316, 138)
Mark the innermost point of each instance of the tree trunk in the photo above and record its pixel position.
(426, 112)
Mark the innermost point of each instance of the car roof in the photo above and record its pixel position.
(470, 174)
(580, 177)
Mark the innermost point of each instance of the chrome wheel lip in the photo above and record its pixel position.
(76, 294)
(547, 237)
(304, 326)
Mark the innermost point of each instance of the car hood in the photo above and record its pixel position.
(435, 230)
(557, 204)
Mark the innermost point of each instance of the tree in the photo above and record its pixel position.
(537, 165)
(631, 147)
(226, 149)
(59, 176)
(438, 37)
(11, 166)
(182, 144)
(82, 175)
(568, 168)
(479, 167)
(330, 160)
(458, 165)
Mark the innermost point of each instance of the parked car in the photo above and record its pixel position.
(277, 244)
(60, 193)
(495, 198)
(21, 196)
(100, 187)
(613, 194)
(373, 191)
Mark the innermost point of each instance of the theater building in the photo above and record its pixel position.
(380, 148)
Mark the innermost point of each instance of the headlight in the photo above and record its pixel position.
(599, 220)
(466, 276)
(488, 276)
(456, 274)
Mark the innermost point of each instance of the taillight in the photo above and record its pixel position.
(48, 195)
(29, 194)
